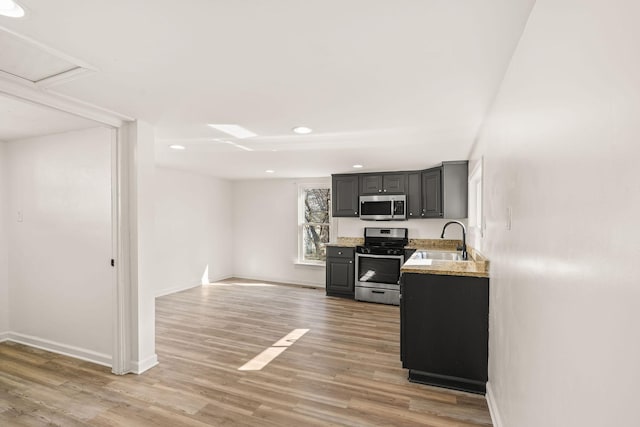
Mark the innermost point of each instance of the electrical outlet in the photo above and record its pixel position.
(508, 224)
(19, 216)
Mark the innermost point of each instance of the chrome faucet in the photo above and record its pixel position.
(462, 248)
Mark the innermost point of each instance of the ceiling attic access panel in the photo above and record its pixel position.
(32, 63)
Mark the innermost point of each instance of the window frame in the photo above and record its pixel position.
(302, 188)
(476, 220)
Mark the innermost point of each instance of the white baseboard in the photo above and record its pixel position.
(64, 349)
(219, 278)
(281, 281)
(493, 407)
(144, 365)
(76, 352)
(169, 291)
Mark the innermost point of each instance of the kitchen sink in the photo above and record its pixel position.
(438, 255)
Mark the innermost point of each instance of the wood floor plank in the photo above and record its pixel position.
(345, 371)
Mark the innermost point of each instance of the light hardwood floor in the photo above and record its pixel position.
(344, 371)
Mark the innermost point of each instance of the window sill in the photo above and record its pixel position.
(310, 263)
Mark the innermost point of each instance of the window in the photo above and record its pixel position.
(314, 207)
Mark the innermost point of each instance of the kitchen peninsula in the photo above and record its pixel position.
(444, 310)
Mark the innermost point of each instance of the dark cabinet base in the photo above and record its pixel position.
(444, 330)
(340, 275)
(454, 383)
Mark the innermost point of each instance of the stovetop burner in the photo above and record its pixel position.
(384, 241)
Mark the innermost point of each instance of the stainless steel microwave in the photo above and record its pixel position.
(383, 208)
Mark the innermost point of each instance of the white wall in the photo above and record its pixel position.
(194, 237)
(4, 273)
(60, 279)
(266, 234)
(418, 228)
(141, 183)
(561, 150)
(265, 225)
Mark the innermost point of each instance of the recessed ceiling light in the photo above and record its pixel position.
(270, 171)
(234, 130)
(302, 130)
(11, 9)
(177, 147)
(357, 166)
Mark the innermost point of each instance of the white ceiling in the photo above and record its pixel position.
(388, 84)
(20, 120)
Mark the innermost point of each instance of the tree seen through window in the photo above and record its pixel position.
(315, 228)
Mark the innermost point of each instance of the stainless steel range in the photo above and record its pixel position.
(378, 265)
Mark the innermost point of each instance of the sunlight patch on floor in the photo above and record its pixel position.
(264, 358)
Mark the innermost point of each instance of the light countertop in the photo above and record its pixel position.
(476, 266)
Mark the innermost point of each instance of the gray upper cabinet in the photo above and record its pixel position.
(383, 184)
(414, 195)
(395, 183)
(439, 192)
(344, 195)
(444, 191)
(432, 193)
(455, 183)
(370, 184)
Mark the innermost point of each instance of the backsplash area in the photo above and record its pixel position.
(418, 228)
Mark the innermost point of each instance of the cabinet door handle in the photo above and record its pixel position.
(379, 191)
(356, 212)
(385, 190)
(350, 262)
(339, 253)
(410, 213)
(377, 292)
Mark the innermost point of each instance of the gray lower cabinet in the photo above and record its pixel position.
(340, 271)
(444, 330)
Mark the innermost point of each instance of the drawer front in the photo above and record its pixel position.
(340, 252)
(382, 296)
